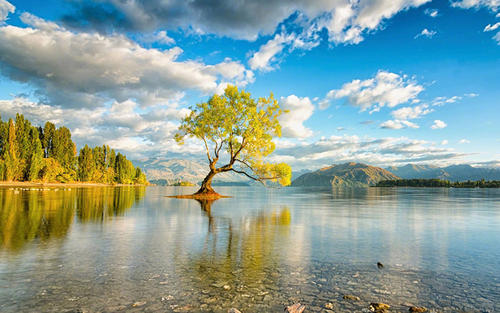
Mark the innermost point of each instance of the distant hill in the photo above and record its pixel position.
(168, 172)
(452, 173)
(345, 175)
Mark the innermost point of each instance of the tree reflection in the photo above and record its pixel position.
(43, 214)
(243, 251)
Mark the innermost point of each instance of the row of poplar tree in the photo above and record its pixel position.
(29, 153)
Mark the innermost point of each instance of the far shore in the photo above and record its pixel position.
(72, 184)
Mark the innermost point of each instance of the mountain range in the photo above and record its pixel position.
(344, 175)
(170, 171)
(462, 172)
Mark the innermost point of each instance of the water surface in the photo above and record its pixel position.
(131, 249)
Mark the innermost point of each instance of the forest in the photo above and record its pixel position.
(438, 183)
(48, 154)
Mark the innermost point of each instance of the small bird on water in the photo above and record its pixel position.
(380, 265)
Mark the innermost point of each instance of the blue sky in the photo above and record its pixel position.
(381, 82)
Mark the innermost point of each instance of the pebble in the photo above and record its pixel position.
(329, 306)
(295, 308)
(233, 310)
(139, 303)
(351, 297)
(379, 307)
(418, 309)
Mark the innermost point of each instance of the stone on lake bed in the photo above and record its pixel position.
(379, 307)
(351, 297)
(329, 306)
(233, 310)
(295, 308)
(139, 303)
(418, 309)
(380, 265)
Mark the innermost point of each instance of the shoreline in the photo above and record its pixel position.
(72, 184)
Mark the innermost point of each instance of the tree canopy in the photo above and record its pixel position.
(48, 154)
(240, 130)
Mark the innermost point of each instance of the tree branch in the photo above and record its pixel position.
(206, 147)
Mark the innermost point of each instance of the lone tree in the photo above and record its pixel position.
(239, 130)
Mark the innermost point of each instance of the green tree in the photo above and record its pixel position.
(36, 158)
(48, 139)
(86, 164)
(10, 154)
(243, 128)
(125, 171)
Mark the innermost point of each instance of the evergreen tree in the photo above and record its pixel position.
(36, 159)
(86, 164)
(48, 139)
(10, 154)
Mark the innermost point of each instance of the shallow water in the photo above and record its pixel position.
(131, 249)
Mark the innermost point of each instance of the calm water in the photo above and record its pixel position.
(131, 249)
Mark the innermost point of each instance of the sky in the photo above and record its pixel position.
(384, 82)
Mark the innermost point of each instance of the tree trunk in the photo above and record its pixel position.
(206, 185)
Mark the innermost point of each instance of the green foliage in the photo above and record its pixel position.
(29, 153)
(242, 127)
(438, 183)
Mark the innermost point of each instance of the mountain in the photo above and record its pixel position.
(461, 172)
(345, 175)
(168, 172)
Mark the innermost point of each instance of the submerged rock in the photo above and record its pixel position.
(329, 306)
(139, 303)
(418, 309)
(351, 297)
(233, 310)
(380, 265)
(379, 307)
(295, 308)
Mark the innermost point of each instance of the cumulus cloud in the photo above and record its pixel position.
(398, 124)
(381, 152)
(426, 33)
(444, 142)
(5, 9)
(385, 89)
(104, 68)
(299, 110)
(438, 124)
(431, 12)
(140, 132)
(267, 53)
(463, 141)
(408, 113)
(345, 21)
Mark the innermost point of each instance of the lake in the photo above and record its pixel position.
(131, 249)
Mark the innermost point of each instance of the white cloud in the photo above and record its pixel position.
(398, 124)
(267, 53)
(346, 21)
(5, 9)
(381, 152)
(490, 27)
(444, 142)
(385, 89)
(426, 33)
(139, 132)
(431, 12)
(299, 110)
(471, 95)
(497, 38)
(467, 4)
(158, 37)
(104, 68)
(463, 141)
(438, 124)
(408, 113)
